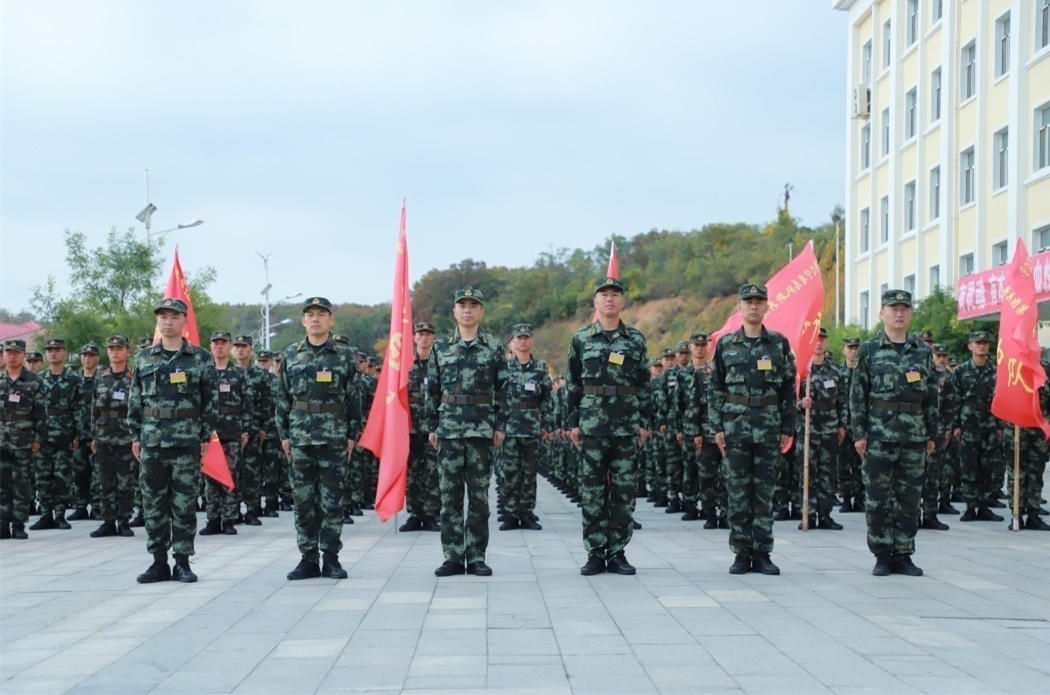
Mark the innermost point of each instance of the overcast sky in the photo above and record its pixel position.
(512, 128)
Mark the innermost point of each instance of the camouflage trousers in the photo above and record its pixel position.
(931, 484)
(422, 499)
(789, 478)
(657, 465)
(822, 449)
(711, 475)
(15, 491)
(54, 476)
(170, 479)
(219, 503)
(690, 473)
(1034, 451)
(893, 477)
(950, 470)
(851, 480)
(607, 487)
(274, 465)
(750, 480)
(117, 477)
(465, 470)
(83, 463)
(251, 473)
(673, 465)
(520, 458)
(980, 462)
(317, 475)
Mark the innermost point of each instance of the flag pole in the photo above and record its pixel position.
(805, 455)
(1016, 525)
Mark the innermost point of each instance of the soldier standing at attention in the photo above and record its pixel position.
(608, 416)
(65, 424)
(851, 482)
(318, 409)
(23, 428)
(34, 361)
(751, 407)
(111, 442)
(252, 472)
(466, 417)
(893, 401)
(273, 462)
(421, 493)
(528, 422)
(171, 415)
(948, 402)
(978, 431)
(83, 459)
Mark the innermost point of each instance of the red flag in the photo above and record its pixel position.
(796, 300)
(613, 271)
(214, 464)
(1019, 375)
(178, 289)
(386, 434)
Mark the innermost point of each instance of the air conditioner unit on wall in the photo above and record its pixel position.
(861, 101)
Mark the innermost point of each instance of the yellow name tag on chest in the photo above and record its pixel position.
(324, 376)
(178, 377)
(912, 377)
(765, 365)
(616, 358)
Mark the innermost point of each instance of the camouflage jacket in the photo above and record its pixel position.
(692, 398)
(66, 419)
(262, 399)
(668, 411)
(558, 409)
(23, 411)
(893, 397)
(466, 387)
(109, 407)
(417, 396)
(847, 383)
(235, 407)
(173, 397)
(268, 416)
(830, 400)
(608, 382)
(318, 399)
(528, 398)
(948, 398)
(87, 399)
(975, 388)
(751, 391)
(368, 394)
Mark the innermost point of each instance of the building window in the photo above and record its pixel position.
(865, 147)
(911, 114)
(935, 96)
(909, 284)
(966, 180)
(935, 193)
(909, 207)
(866, 62)
(1041, 239)
(935, 277)
(885, 231)
(938, 10)
(913, 22)
(1042, 24)
(865, 230)
(887, 44)
(999, 253)
(1002, 44)
(968, 76)
(966, 265)
(1001, 174)
(1042, 137)
(865, 310)
(886, 132)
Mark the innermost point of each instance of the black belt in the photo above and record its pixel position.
(118, 414)
(229, 410)
(530, 404)
(829, 406)
(11, 417)
(171, 413)
(976, 405)
(58, 411)
(752, 401)
(896, 407)
(416, 400)
(462, 399)
(318, 407)
(610, 390)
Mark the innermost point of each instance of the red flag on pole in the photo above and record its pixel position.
(214, 464)
(1019, 375)
(386, 434)
(612, 271)
(796, 300)
(178, 289)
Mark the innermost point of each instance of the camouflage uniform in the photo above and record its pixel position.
(827, 415)
(608, 400)
(253, 469)
(1034, 452)
(703, 484)
(980, 456)
(932, 499)
(117, 467)
(893, 404)
(273, 462)
(83, 459)
(65, 424)
(671, 417)
(851, 482)
(23, 423)
(422, 499)
(657, 452)
(359, 485)
(235, 416)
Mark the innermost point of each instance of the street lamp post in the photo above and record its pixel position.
(838, 221)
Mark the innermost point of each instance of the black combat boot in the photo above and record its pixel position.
(182, 572)
(985, 514)
(108, 528)
(61, 523)
(528, 524)
(306, 569)
(212, 528)
(331, 568)
(228, 528)
(741, 564)
(812, 522)
(761, 564)
(431, 524)
(932, 523)
(449, 568)
(479, 568)
(595, 565)
(710, 519)
(691, 512)
(969, 515)
(661, 500)
(946, 507)
(674, 506)
(137, 521)
(847, 506)
(883, 566)
(79, 514)
(509, 525)
(1034, 523)
(781, 514)
(46, 522)
(618, 564)
(251, 519)
(158, 571)
(903, 565)
(18, 532)
(124, 530)
(826, 523)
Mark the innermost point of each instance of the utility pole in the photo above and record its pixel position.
(266, 299)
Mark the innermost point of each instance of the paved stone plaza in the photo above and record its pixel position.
(74, 620)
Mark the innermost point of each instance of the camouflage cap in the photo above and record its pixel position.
(171, 304)
(467, 293)
(55, 344)
(144, 343)
(15, 345)
(953, 362)
(118, 341)
(667, 352)
(90, 349)
(341, 339)
(681, 346)
(700, 338)
(521, 329)
(278, 356)
(608, 283)
(852, 341)
(423, 327)
(895, 297)
(655, 362)
(823, 333)
(927, 336)
(940, 349)
(753, 292)
(317, 303)
(980, 337)
(221, 335)
(243, 340)
(34, 355)
(372, 361)
(263, 355)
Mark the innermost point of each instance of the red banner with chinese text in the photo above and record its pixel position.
(980, 295)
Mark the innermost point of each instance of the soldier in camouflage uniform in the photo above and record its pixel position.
(421, 489)
(466, 414)
(648, 454)
(273, 463)
(1034, 452)
(111, 441)
(528, 423)
(671, 426)
(234, 422)
(932, 500)
(751, 407)
(893, 403)
(978, 431)
(83, 458)
(34, 361)
(828, 403)
(65, 424)
(318, 408)
(609, 413)
(171, 416)
(138, 520)
(660, 448)
(361, 483)
(851, 482)
(252, 472)
(23, 429)
(692, 396)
